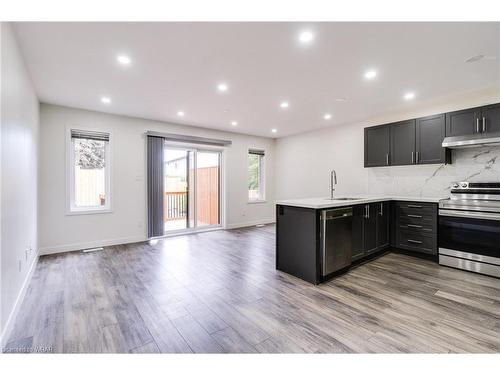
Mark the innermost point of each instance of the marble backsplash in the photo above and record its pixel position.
(475, 164)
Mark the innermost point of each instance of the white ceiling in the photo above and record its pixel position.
(177, 66)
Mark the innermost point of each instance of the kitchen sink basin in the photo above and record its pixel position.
(343, 199)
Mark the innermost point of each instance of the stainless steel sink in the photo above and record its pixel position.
(343, 199)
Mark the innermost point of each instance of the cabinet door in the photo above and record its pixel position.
(464, 122)
(430, 132)
(403, 143)
(377, 146)
(490, 120)
(358, 218)
(370, 238)
(383, 215)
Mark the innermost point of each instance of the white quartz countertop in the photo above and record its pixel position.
(319, 203)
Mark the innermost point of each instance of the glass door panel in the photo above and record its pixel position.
(207, 188)
(175, 201)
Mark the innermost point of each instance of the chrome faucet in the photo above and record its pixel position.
(333, 182)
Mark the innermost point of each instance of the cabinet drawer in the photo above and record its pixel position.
(418, 225)
(417, 207)
(411, 240)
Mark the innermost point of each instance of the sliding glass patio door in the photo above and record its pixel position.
(192, 189)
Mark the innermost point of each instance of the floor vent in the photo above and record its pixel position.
(92, 250)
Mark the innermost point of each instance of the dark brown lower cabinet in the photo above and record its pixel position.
(383, 224)
(370, 228)
(416, 227)
(297, 242)
(358, 237)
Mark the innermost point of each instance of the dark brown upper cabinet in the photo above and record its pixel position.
(473, 121)
(377, 146)
(402, 150)
(490, 118)
(430, 132)
(419, 141)
(464, 122)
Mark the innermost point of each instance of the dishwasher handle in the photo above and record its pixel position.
(337, 213)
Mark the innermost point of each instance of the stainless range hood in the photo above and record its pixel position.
(473, 140)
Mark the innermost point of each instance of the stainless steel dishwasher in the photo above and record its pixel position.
(336, 239)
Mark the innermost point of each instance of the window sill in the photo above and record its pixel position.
(257, 201)
(89, 212)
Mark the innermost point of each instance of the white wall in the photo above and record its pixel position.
(127, 222)
(19, 182)
(304, 161)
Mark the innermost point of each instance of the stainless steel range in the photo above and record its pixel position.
(469, 228)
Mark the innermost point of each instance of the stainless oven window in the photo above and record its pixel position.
(477, 236)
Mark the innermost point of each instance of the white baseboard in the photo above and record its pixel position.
(250, 223)
(88, 245)
(9, 325)
(125, 240)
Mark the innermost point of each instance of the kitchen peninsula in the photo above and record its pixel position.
(317, 238)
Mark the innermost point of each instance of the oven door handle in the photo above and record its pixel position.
(470, 215)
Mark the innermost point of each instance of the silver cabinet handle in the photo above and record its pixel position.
(415, 241)
(414, 206)
(416, 216)
(413, 226)
(477, 125)
(416, 160)
(412, 158)
(484, 124)
(381, 209)
(386, 159)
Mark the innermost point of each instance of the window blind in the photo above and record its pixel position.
(155, 186)
(256, 152)
(87, 134)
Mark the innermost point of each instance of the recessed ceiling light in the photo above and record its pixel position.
(234, 123)
(274, 130)
(327, 116)
(106, 100)
(409, 96)
(222, 87)
(306, 37)
(370, 74)
(180, 114)
(123, 59)
(284, 105)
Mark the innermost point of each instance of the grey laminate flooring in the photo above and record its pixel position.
(219, 292)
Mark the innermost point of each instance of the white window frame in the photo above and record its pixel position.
(71, 208)
(262, 176)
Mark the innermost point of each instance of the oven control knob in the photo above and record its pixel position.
(455, 185)
(464, 184)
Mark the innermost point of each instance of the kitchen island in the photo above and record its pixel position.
(318, 238)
